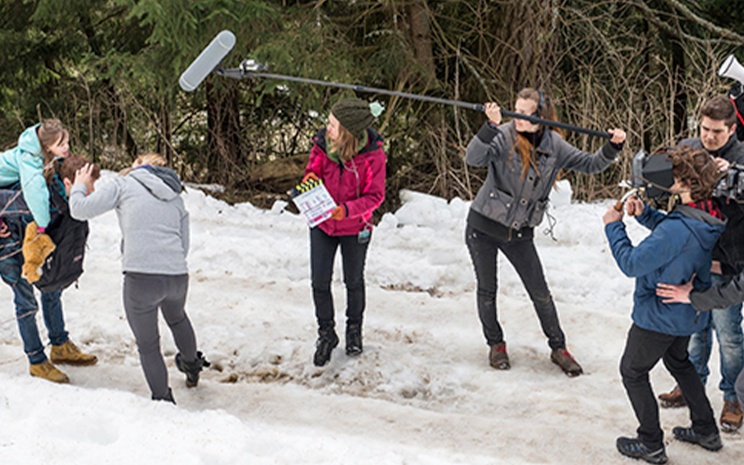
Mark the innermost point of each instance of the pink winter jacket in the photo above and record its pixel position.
(359, 185)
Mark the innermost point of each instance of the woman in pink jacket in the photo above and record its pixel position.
(347, 156)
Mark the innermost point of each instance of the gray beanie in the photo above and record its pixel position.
(353, 114)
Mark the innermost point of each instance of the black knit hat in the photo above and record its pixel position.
(353, 114)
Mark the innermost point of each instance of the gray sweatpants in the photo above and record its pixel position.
(143, 295)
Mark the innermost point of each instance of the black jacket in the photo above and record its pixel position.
(730, 248)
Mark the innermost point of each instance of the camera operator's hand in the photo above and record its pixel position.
(722, 164)
(634, 206)
(612, 215)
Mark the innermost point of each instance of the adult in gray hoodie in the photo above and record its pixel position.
(155, 241)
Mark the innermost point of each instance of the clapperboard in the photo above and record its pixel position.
(313, 201)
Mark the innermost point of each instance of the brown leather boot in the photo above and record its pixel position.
(672, 399)
(731, 416)
(497, 357)
(565, 360)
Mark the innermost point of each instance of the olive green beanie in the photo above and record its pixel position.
(353, 114)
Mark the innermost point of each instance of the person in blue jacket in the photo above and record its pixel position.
(679, 245)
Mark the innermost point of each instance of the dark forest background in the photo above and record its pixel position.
(109, 70)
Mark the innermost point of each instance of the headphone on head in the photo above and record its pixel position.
(541, 102)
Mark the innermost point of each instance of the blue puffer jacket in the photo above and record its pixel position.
(679, 246)
(25, 163)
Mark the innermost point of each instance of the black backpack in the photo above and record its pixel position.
(65, 264)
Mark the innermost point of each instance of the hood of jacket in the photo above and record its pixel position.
(163, 183)
(28, 141)
(704, 227)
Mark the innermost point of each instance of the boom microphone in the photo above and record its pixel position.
(207, 61)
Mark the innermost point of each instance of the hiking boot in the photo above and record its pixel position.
(68, 353)
(672, 399)
(565, 360)
(731, 416)
(710, 442)
(327, 341)
(497, 357)
(46, 370)
(633, 447)
(354, 339)
(191, 369)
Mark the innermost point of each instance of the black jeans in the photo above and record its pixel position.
(322, 254)
(643, 351)
(521, 253)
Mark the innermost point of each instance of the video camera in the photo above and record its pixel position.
(731, 186)
(652, 174)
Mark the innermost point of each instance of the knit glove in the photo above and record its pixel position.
(339, 213)
(36, 248)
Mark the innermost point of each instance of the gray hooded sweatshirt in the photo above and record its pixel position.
(153, 220)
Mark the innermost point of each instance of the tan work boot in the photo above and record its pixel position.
(49, 372)
(565, 360)
(731, 416)
(672, 399)
(498, 358)
(70, 354)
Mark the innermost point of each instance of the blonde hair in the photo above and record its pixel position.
(152, 159)
(49, 132)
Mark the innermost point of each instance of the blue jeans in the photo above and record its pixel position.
(727, 325)
(26, 309)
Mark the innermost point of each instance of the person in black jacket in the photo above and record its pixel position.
(718, 296)
(718, 137)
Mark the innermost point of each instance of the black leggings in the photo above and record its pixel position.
(144, 294)
(484, 252)
(322, 254)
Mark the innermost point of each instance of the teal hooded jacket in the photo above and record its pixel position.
(25, 163)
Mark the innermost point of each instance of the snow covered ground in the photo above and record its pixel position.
(422, 392)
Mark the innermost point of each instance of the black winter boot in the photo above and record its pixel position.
(635, 448)
(327, 341)
(710, 442)
(354, 339)
(191, 369)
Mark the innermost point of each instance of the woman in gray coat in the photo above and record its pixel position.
(155, 241)
(523, 161)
